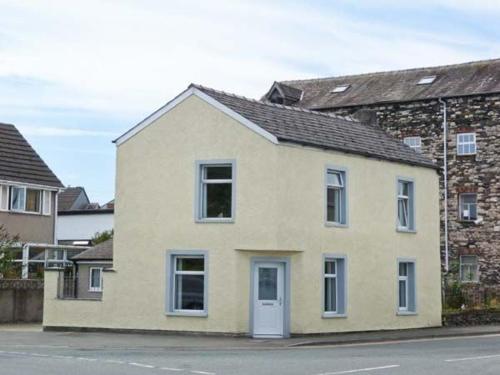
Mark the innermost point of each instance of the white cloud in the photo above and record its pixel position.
(48, 131)
(130, 57)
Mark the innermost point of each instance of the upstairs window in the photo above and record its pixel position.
(340, 88)
(427, 80)
(25, 199)
(415, 143)
(216, 191)
(468, 206)
(406, 210)
(466, 144)
(336, 202)
(469, 269)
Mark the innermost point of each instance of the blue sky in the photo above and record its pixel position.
(75, 75)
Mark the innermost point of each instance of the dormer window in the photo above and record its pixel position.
(427, 80)
(340, 88)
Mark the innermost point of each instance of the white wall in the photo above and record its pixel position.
(82, 226)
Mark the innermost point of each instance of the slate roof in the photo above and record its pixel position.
(102, 251)
(19, 162)
(479, 77)
(67, 198)
(327, 131)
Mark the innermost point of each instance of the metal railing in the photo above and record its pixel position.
(67, 286)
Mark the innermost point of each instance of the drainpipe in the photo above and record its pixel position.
(445, 178)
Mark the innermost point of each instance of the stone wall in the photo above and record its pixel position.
(471, 318)
(21, 301)
(479, 173)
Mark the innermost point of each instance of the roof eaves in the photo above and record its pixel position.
(430, 164)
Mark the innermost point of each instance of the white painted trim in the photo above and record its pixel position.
(28, 185)
(208, 99)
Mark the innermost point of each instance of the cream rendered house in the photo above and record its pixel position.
(242, 217)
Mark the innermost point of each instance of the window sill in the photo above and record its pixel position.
(403, 230)
(214, 221)
(195, 314)
(330, 224)
(333, 315)
(469, 281)
(406, 313)
(16, 212)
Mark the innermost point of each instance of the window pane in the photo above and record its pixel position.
(403, 213)
(334, 179)
(403, 269)
(333, 204)
(402, 294)
(32, 200)
(331, 294)
(218, 200)
(330, 267)
(17, 198)
(268, 284)
(222, 172)
(189, 292)
(96, 278)
(190, 264)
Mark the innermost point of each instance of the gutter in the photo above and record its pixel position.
(445, 178)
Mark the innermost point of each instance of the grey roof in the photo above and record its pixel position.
(327, 131)
(479, 77)
(19, 162)
(67, 199)
(102, 251)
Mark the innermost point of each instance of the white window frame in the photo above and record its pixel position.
(340, 88)
(403, 278)
(462, 144)
(171, 265)
(201, 183)
(469, 265)
(415, 143)
(410, 205)
(427, 80)
(332, 276)
(91, 287)
(340, 277)
(41, 197)
(4, 197)
(46, 202)
(343, 208)
(410, 280)
(461, 207)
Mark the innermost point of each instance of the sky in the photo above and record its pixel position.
(74, 75)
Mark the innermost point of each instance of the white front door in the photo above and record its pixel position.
(268, 298)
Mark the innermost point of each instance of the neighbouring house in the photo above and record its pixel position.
(423, 107)
(84, 279)
(242, 217)
(79, 219)
(28, 193)
(28, 189)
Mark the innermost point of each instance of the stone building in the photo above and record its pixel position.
(410, 104)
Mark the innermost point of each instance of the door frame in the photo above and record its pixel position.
(286, 295)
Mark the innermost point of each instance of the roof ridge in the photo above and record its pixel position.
(389, 71)
(297, 109)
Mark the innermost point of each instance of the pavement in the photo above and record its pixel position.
(471, 350)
